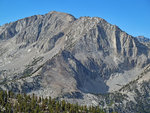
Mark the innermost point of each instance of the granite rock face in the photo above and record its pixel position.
(56, 54)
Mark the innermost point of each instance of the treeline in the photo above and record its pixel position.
(22, 103)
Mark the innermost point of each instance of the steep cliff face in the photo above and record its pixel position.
(56, 54)
(31, 37)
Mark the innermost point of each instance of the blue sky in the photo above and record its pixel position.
(132, 16)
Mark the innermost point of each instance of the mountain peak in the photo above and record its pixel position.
(60, 13)
(56, 12)
(58, 55)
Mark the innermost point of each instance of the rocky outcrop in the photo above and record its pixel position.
(143, 39)
(56, 54)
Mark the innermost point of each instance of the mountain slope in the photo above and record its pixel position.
(144, 40)
(60, 56)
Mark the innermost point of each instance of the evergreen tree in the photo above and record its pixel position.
(22, 103)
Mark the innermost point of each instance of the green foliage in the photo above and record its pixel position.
(22, 103)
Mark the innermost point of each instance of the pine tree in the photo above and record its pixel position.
(26, 104)
(39, 100)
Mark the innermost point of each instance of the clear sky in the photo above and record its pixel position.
(132, 16)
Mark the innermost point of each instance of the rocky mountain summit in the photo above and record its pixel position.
(85, 60)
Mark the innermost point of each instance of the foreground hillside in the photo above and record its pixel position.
(85, 60)
(12, 103)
